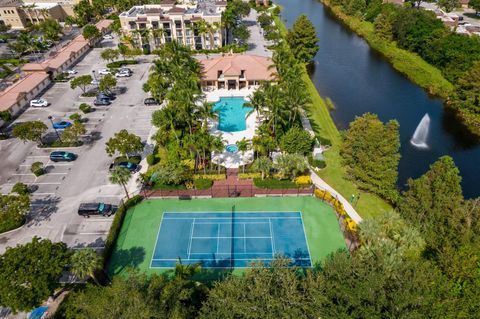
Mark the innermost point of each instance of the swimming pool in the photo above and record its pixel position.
(231, 113)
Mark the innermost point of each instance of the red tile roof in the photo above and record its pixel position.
(16, 91)
(255, 67)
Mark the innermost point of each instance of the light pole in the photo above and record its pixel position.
(58, 135)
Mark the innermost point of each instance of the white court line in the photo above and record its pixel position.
(229, 237)
(218, 237)
(228, 223)
(203, 259)
(244, 237)
(271, 238)
(306, 241)
(156, 242)
(236, 218)
(191, 236)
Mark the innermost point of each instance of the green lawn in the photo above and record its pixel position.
(138, 235)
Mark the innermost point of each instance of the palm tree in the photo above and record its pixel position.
(186, 272)
(262, 164)
(85, 262)
(205, 112)
(217, 145)
(121, 176)
(202, 28)
(243, 146)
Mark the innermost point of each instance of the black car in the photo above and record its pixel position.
(99, 102)
(102, 209)
(150, 101)
(105, 96)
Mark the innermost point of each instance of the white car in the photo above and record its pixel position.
(123, 74)
(107, 37)
(39, 103)
(104, 71)
(71, 71)
(95, 82)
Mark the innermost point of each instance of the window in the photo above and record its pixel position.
(154, 25)
(242, 73)
(219, 73)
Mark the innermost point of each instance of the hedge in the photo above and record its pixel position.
(119, 64)
(117, 225)
(201, 184)
(213, 177)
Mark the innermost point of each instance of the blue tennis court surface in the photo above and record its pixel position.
(226, 239)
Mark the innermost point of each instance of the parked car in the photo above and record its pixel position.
(104, 71)
(39, 103)
(61, 156)
(61, 125)
(150, 101)
(106, 96)
(100, 102)
(107, 37)
(102, 209)
(124, 69)
(95, 82)
(71, 71)
(130, 166)
(123, 74)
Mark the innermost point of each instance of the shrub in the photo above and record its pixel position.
(85, 108)
(189, 163)
(274, 183)
(152, 159)
(203, 183)
(146, 51)
(20, 189)
(132, 159)
(37, 168)
(249, 175)
(212, 177)
(117, 225)
(75, 117)
(119, 64)
(296, 141)
(303, 180)
(350, 224)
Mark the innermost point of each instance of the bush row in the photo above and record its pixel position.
(117, 225)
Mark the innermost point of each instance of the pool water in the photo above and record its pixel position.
(232, 148)
(231, 114)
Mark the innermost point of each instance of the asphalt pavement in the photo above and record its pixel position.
(58, 193)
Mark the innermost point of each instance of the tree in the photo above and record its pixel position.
(290, 165)
(171, 172)
(384, 26)
(241, 33)
(296, 141)
(475, 5)
(124, 143)
(83, 12)
(13, 209)
(303, 39)
(30, 131)
(243, 146)
(73, 133)
(110, 54)
(263, 164)
(121, 176)
(90, 32)
(371, 153)
(107, 83)
(85, 262)
(81, 81)
(29, 273)
(50, 29)
(20, 189)
(448, 5)
(433, 202)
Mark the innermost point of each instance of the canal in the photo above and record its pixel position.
(358, 80)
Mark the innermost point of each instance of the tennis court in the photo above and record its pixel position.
(152, 236)
(230, 239)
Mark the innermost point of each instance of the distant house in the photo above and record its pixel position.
(236, 71)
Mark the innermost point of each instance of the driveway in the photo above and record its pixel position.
(257, 44)
(59, 192)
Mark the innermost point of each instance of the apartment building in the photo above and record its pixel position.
(19, 14)
(196, 24)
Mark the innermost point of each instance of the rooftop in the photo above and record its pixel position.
(15, 91)
(255, 67)
(205, 8)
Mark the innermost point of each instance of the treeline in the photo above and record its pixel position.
(420, 32)
(421, 262)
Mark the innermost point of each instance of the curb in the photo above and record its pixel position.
(14, 230)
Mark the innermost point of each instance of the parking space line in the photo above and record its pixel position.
(60, 164)
(56, 173)
(46, 183)
(42, 194)
(26, 174)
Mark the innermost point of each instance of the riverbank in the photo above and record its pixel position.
(334, 174)
(409, 64)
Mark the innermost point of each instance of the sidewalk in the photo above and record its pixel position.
(320, 183)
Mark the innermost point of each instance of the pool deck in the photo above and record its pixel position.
(233, 160)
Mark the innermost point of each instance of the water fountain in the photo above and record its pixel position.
(419, 138)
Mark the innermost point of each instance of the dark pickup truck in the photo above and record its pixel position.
(102, 209)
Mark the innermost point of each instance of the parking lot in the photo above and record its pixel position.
(58, 193)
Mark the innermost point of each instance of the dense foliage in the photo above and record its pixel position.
(421, 32)
(302, 39)
(29, 273)
(13, 209)
(371, 151)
